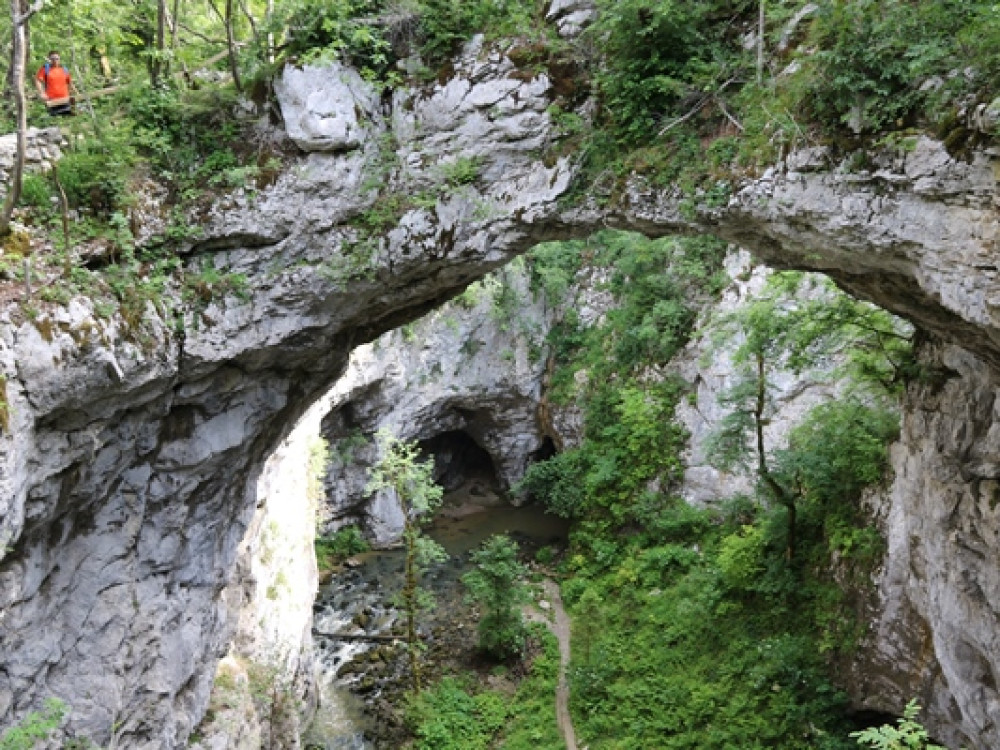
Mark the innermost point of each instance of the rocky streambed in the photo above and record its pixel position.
(363, 664)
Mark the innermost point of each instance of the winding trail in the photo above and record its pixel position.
(561, 630)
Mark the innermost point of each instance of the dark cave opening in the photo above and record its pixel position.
(458, 458)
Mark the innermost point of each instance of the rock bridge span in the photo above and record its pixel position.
(129, 467)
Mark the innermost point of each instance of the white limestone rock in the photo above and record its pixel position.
(326, 107)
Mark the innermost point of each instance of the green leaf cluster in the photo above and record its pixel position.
(36, 728)
(496, 583)
(457, 714)
(340, 545)
(448, 717)
(908, 734)
(632, 443)
(874, 59)
(659, 55)
(667, 655)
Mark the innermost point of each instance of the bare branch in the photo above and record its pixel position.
(34, 8)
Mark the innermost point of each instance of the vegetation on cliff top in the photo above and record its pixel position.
(688, 93)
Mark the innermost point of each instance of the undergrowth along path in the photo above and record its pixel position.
(560, 628)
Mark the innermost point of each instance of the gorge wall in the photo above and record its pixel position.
(130, 452)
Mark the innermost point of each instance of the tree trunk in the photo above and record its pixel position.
(175, 26)
(760, 43)
(784, 497)
(231, 44)
(410, 603)
(159, 44)
(19, 15)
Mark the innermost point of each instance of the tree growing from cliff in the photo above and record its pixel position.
(780, 332)
(496, 584)
(401, 470)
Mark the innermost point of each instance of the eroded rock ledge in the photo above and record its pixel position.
(128, 469)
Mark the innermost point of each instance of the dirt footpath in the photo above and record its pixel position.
(559, 625)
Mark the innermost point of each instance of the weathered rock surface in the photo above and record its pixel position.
(129, 465)
(918, 235)
(44, 147)
(461, 369)
(128, 471)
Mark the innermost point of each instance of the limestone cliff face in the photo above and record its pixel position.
(130, 454)
(467, 373)
(918, 235)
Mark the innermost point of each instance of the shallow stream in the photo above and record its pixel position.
(356, 607)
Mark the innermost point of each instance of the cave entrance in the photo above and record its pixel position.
(460, 461)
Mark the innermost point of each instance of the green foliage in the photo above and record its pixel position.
(533, 722)
(907, 735)
(454, 714)
(461, 171)
(632, 442)
(659, 55)
(343, 543)
(373, 35)
(345, 29)
(553, 267)
(679, 662)
(401, 470)
(448, 717)
(873, 56)
(35, 192)
(4, 406)
(445, 25)
(95, 179)
(496, 584)
(210, 283)
(742, 558)
(35, 728)
(840, 448)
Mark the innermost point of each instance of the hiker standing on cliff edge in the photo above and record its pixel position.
(54, 83)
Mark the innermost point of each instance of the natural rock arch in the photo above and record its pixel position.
(127, 475)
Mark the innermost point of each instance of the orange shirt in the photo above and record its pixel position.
(58, 82)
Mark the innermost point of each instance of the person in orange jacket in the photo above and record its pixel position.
(54, 84)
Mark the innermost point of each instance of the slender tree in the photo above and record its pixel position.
(231, 46)
(779, 332)
(20, 15)
(496, 583)
(401, 471)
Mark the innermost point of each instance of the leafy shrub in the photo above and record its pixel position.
(741, 557)
(907, 735)
(35, 191)
(344, 29)
(553, 267)
(35, 728)
(340, 545)
(93, 180)
(658, 54)
(873, 57)
(496, 584)
(447, 717)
